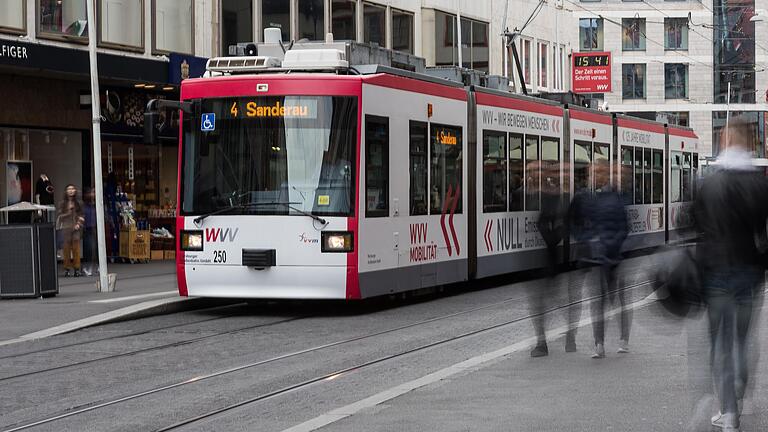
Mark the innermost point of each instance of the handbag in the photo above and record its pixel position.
(678, 281)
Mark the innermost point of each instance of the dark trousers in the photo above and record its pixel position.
(89, 245)
(544, 294)
(729, 293)
(607, 288)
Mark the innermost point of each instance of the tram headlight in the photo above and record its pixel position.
(191, 240)
(337, 241)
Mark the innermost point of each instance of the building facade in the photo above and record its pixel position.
(672, 61)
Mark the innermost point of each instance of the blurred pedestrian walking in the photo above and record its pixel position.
(90, 255)
(70, 222)
(730, 214)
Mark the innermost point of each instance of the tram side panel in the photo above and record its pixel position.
(682, 171)
(519, 149)
(642, 160)
(591, 138)
(413, 234)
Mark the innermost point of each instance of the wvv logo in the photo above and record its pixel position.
(601, 86)
(219, 235)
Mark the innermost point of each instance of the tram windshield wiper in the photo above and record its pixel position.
(201, 218)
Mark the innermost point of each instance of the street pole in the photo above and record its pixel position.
(458, 30)
(96, 111)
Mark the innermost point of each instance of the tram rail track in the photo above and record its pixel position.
(89, 407)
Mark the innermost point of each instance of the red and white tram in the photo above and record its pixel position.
(319, 185)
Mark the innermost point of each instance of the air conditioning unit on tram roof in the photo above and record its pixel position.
(242, 64)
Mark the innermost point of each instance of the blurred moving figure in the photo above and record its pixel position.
(599, 222)
(551, 224)
(730, 214)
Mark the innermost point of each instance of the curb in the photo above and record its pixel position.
(136, 311)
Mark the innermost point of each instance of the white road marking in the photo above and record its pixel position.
(473, 363)
(135, 297)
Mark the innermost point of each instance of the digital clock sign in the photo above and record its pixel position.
(592, 72)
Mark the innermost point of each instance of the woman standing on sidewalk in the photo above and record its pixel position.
(70, 222)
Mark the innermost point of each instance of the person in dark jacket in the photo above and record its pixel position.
(600, 223)
(730, 215)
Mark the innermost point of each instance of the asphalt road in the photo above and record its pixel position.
(275, 365)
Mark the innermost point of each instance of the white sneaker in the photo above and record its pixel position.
(599, 351)
(728, 422)
(623, 347)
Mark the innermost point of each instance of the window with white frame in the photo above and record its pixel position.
(121, 22)
(374, 23)
(402, 31)
(591, 34)
(633, 81)
(344, 19)
(543, 65)
(676, 33)
(633, 34)
(13, 16)
(675, 81)
(236, 23)
(311, 15)
(63, 19)
(563, 67)
(526, 60)
(277, 14)
(172, 26)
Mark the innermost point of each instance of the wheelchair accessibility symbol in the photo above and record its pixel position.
(208, 122)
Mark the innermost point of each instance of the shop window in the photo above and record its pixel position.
(627, 175)
(591, 34)
(532, 173)
(445, 168)
(121, 22)
(344, 19)
(543, 65)
(494, 171)
(550, 165)
(13, 16)
(402, 31)
(376, 166)
(633, 81)
(633, 34)
(676, 33)
(675, 177)
(418, 168)
(236, 23)
(63, 19)
(639, 183)
(277, 14)
(311, 19)
(516, 172)
(582, 161)
(675, 81)
(173, 26)
(658, 177)
(374, 24)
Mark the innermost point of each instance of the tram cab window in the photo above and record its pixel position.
(376, 166)
(515, 172)
(658, 177)
(627, 175)
(494, 171)
(687, 181)
(532, 173)
(639, 183)
(445, 168)
(418, 168)
(647, 177)
(582, 162)
(676, 178)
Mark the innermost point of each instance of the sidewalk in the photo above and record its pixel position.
(140, 288)
(649, 389)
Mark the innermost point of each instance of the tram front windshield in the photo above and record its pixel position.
(270, 156)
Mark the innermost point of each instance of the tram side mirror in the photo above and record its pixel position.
(150, 126)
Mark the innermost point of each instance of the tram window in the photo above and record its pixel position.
(694, 175)
(676, 177)
(550, 165)
(532, 173)
(418, 168)
(494, 171)
(445, 168)
(582, 161)
(601, 158)
(647, 177)
(658, 177)
(627, 174)
(686, 177)
(639, 183)
(376, 166)
(515, 172)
